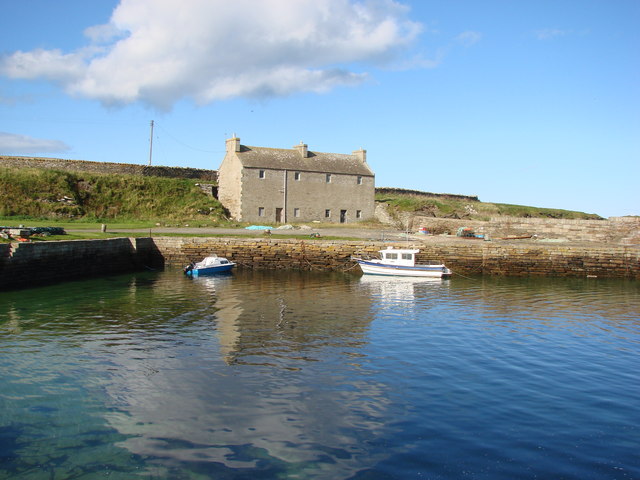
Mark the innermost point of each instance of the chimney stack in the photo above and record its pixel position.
(233, 144)
(302, 148)
(361, 154)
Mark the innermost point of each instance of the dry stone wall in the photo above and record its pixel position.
(108, 168)
(622, 230)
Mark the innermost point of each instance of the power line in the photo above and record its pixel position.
(187, 145)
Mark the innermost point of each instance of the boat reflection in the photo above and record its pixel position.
(386, 289)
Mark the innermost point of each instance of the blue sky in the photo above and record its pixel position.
(524, 102)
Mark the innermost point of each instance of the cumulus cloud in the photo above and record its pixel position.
(13, 144)
(160, 51)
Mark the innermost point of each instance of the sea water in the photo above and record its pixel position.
(292, 375)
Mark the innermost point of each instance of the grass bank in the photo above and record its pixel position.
(38, 194)
(454, 206)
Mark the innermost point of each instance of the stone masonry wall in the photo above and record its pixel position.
(464, 257)
(108, 168)
(621, 230)
(37, 263)
(28, 264)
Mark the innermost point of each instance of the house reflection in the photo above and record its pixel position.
(287, 322)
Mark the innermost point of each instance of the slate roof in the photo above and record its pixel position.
(291, 159)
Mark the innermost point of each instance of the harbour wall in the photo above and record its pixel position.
(466, 257)
(28, 264)
(38, 263)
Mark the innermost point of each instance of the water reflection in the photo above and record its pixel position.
(401, 289)
(186, 408)
(304, 375)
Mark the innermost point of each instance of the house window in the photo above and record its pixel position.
(327, 213)
(296, 212)
(296, 176)
(358, 213)
(261, 174)
(359, 179)
(328, 178)
(261, 211)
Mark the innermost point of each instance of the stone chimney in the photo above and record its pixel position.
(361, 154)
(302, 148)
(233, 144)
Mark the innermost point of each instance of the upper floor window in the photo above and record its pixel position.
(359, 179)
(296, 176)
(261, 174)
(328, 178)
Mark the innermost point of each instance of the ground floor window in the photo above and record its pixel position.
(296, 212)
(358, 213)
(327, 213)
(261, 211)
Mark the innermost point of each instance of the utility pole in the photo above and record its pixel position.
(151, 143)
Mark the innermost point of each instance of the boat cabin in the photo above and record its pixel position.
(399, 256)
(212, 261)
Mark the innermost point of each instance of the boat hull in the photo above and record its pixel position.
(375, 268)
(210, 265)
(196, 272)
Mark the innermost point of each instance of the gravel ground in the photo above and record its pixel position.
(373, 233)
(364, 232)
(377, 233)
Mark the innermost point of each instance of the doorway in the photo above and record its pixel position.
(279, 215)
(343, 216)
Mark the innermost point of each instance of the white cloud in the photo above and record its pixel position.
(468, 38)
(13, 144)
(159, 51)
(48, 64)
(549, 33)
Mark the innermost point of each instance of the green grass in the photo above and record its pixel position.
(93, 235)
(45, 195)
(451, 207)
(75, 225)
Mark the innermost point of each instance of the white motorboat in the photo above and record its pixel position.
(401, 262)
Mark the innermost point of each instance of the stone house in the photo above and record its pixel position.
(274, 185)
